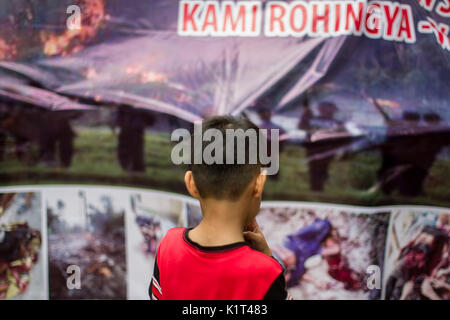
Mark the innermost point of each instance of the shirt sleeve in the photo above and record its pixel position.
(279, 260)
(277, 290)
(154, 290)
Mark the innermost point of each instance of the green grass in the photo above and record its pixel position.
(95, 162)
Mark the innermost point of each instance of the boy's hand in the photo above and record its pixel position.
(255, 237)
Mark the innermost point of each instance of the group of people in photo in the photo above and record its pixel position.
(406, 153)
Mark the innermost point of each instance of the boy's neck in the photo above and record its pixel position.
(223, 223)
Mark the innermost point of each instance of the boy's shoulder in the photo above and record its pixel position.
(259, 261)
(174, 231)
(173, 234)
(250, 259)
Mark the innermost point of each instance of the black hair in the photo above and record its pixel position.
(225, 181)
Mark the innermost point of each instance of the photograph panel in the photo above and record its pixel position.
(150, 216)
(22, 260)
(86, 229)
(326, 250)
(417, 257)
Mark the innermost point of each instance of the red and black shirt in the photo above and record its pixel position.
(185, 270)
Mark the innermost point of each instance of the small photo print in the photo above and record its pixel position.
(417, 259)
(326, 250)
(86, 243)
(150, 216)
(22, 261)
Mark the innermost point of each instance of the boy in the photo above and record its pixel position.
(226, 256)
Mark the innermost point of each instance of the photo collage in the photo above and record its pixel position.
(93, 242)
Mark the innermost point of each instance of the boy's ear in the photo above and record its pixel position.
(190, 184)
(259, 184)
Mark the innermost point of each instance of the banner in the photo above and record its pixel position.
(91, 90)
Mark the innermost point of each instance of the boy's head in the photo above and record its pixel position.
(229, 182)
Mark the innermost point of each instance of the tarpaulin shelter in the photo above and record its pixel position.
(134, 55)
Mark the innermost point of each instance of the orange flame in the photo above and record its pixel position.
(145, 76)
(71, 41)
(151, 76)
(7, 51)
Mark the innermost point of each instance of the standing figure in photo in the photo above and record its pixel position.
(56, 139)
(22, 125)
(50, 130)
(130, 149)
(319, 153)
(407, 158)
(265, 115)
